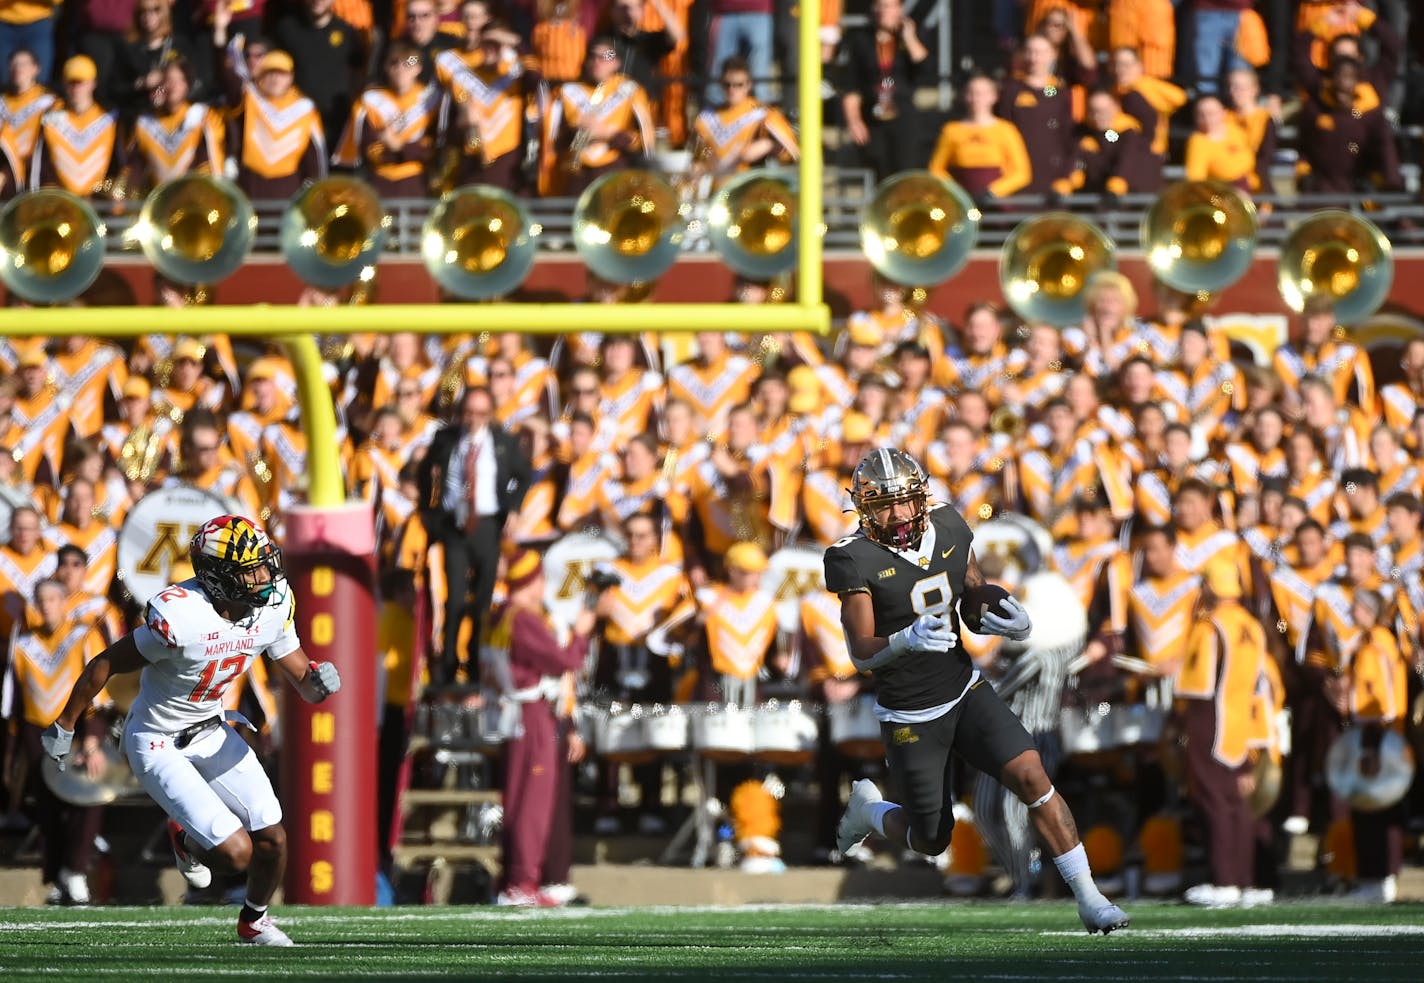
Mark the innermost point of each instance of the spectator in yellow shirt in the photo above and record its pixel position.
(982, 152)
(1220, 150)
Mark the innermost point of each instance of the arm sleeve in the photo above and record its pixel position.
(842, 574)
(1017, 171)
(532, 644)
(944, 148)
(1198, 157)
(286, 641)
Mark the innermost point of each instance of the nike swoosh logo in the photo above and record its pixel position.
(945, 554)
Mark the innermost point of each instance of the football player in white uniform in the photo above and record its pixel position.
(197, 637)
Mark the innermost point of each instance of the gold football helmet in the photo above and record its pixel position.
(885, 478)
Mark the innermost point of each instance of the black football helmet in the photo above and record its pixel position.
(886, 477)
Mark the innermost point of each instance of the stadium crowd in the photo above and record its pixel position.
(702, 457)
(543, 97)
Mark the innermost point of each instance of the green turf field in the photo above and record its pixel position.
(960, 942)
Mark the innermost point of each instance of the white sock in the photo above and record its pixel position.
(261, 909)
(878, 811)
(1074, 869)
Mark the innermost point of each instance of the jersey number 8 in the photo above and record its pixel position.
(932, 595)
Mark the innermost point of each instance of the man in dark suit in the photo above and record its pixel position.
(472, 483)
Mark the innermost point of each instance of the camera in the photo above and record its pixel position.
(601, 578)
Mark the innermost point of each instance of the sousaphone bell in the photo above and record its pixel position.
(752, 224)
(1369, 789)
(478, 242)
(919, 229)
(1046, 263)
(196, 229)
(1337, 254)
(333, 230)
(629, 226)
(1199, 237)
(51, 246)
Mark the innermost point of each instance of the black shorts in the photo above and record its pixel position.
(981, 729)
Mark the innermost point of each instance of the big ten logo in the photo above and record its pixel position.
(575, 577)
(798, 583)
(169, 547)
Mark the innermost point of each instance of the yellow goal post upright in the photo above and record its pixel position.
(328, 758)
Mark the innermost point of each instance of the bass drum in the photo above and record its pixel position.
(153, 543)
(567, 564)
(792, 572)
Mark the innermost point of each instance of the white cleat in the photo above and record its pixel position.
(855, 823)
(76, 887)
(1213, 896)
(194, 871)
(1256, 897)
(1102, 915)
(264, 931)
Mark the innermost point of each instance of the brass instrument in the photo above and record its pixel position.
(51, 246)
(1008, 421)
(1046, 263)
(478, 242)
(195, 229)
(577, 146)
(629, 226)
(1199, 237)
(1341, 255)
(752, 225)
(1369, 790)
(74, 785)
(333, 231)
(140, 453)
(919, 229)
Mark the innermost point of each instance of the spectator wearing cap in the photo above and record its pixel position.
(526, 660)
(1318, 346)
(175, 136)
(1040, 105)
(330, 59)
(40, 415)
(1347, 142)
(29, 25)
(391, 133)
(983, 153)
(23, 103)
(77, 149)
(188, 385)
(139, 65)
(276, 136)
(1219, 149)
(1112, 157)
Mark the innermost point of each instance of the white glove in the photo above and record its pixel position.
(325, 679)
(56, 741)
(1016, 626)
(929, 633)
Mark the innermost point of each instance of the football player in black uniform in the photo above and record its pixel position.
(899, 579)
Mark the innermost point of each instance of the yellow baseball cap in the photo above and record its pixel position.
(856, 428)
(189, 348)
(746, 556)
(137, 387)
(33, 357)
(80, 68)
(1223, 580)
(861, 331)
(275, 61)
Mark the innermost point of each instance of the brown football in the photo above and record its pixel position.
(977, 601)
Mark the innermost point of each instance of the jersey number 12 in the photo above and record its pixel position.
(207, 690)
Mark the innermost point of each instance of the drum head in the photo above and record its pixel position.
(792, 573)
(153, 544)
(567, 564)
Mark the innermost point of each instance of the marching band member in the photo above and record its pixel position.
(404, 358)
(1293, 585)
(642, 489)
(276, 135)
(630, 396)
(1261, 454)
(1216, 686)
(79, 526)
(202, 466)
(1318, 348)
(981, 361)
(138, 441)
(189, 388)
(44, 663)
(1200, 539)
(1397, 470)
(1403, 400)
(42, 417)
(649, 593)
(534, 524)
(24, 561)
(533, 653)
(482, 112)
(391, 130)
(175, 137)
(1342, 429)
(23, 104)
(1401, 555)
(683, 449)
(1207, 390)
(1052, 476)
(265, 406)
(601, 125)
(1358, 501)
(1307, 477)
(713, 382)
(1369, 688)
(589, 466)
(825, 503)
(976, 489)
(88, 372)
(742, 133)
(82, 605)
(77, 148)
(729, 493)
